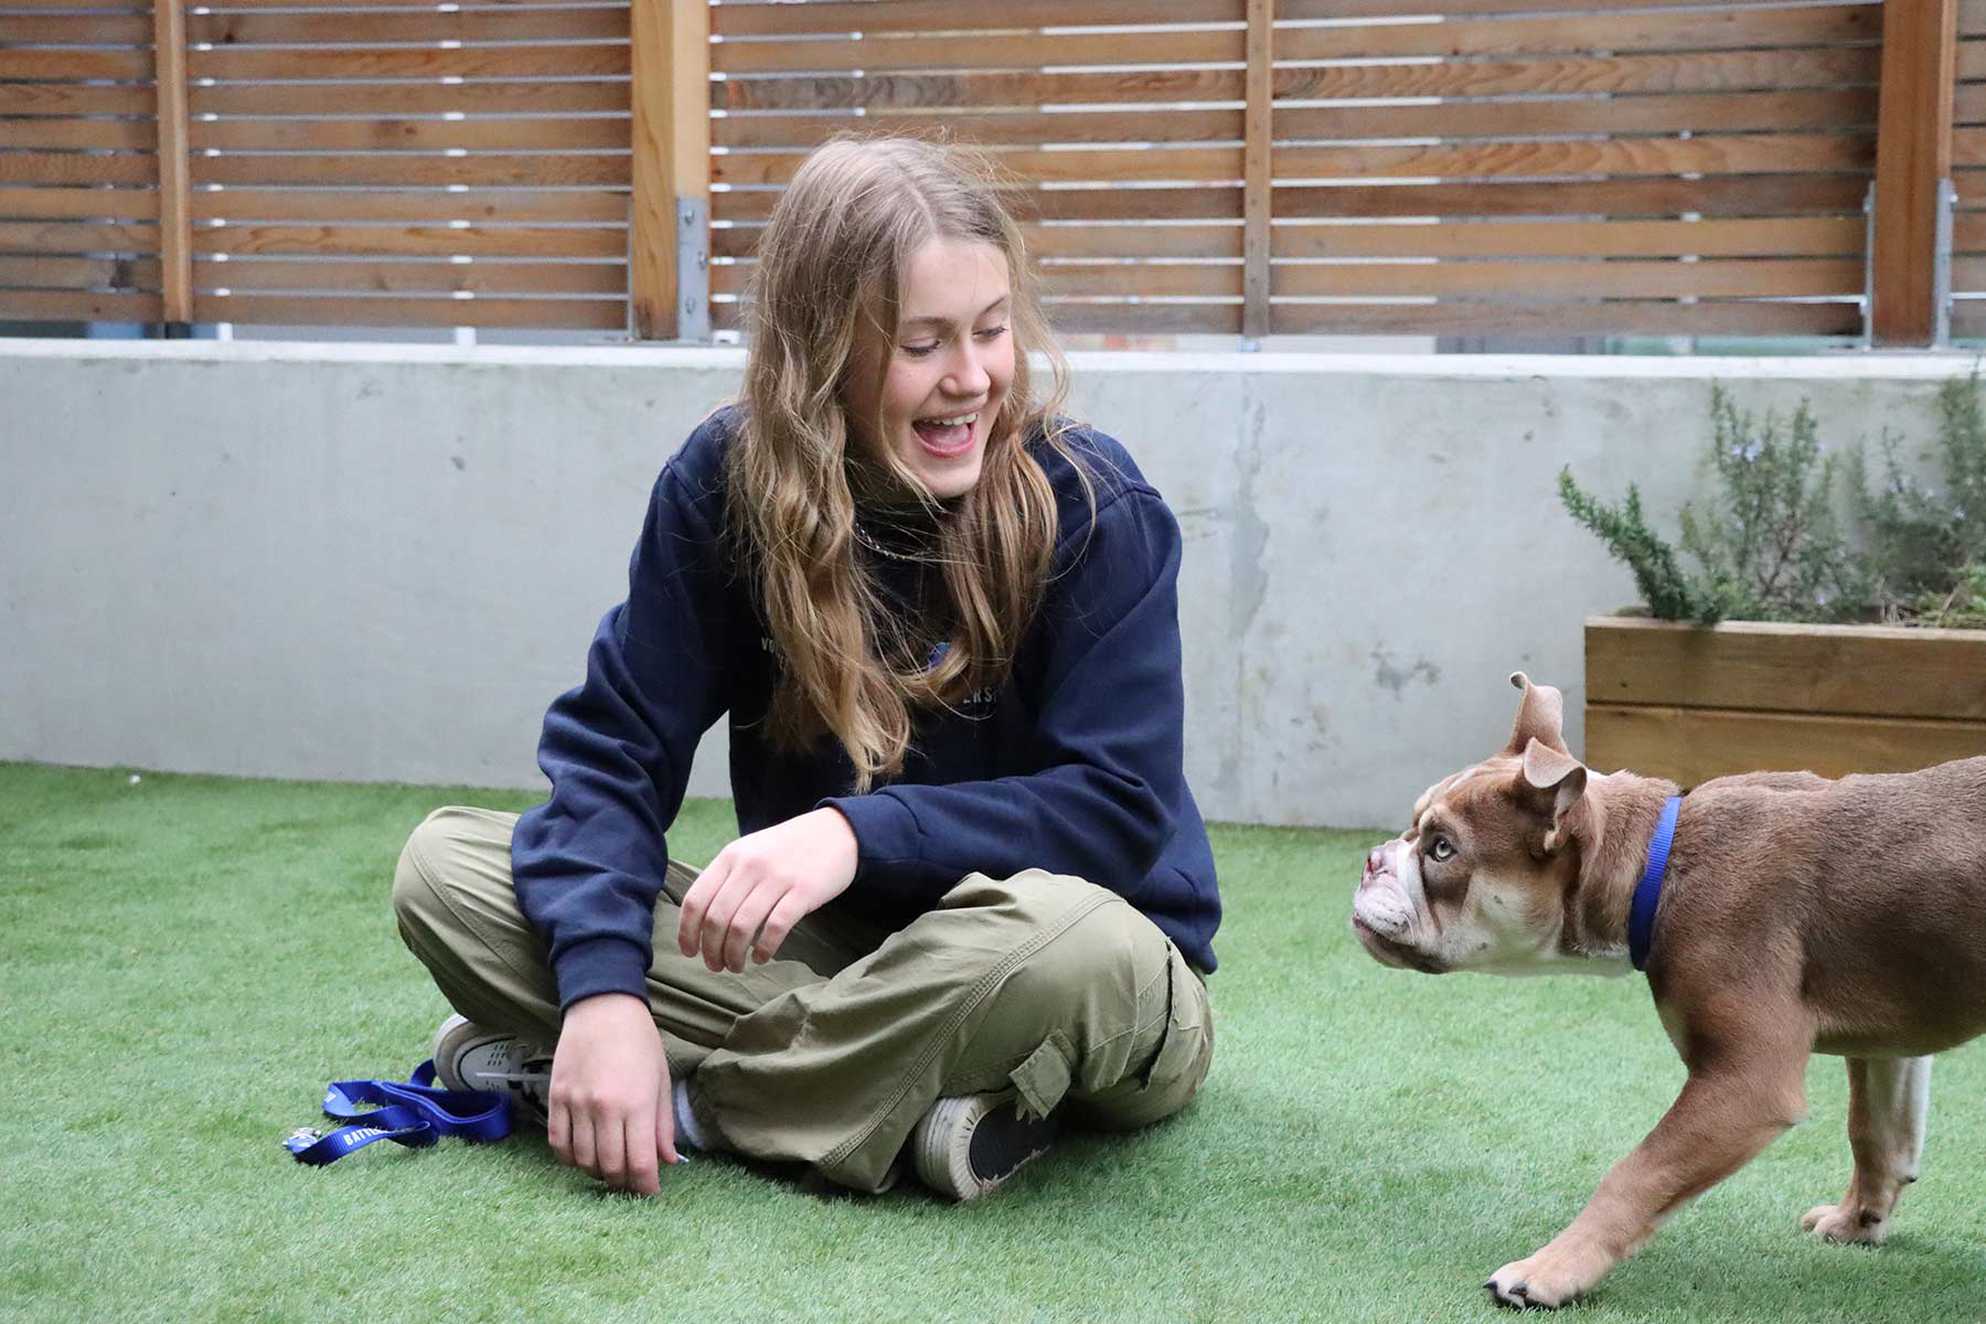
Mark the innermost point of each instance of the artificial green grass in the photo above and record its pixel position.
(185, 961)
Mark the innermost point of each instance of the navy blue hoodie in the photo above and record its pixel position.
(1072, 765)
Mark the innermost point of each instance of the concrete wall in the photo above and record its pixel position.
(380, 563)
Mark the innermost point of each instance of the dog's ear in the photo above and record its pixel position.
(1540, 717)
(1563, 776)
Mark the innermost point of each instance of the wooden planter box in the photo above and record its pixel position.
(1694, 702)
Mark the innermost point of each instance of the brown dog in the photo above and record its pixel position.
(1797, 915)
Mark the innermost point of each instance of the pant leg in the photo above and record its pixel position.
(1046, 983)
(457, 912)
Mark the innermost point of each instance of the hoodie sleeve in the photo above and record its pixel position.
(587, 864)
(1108, 743)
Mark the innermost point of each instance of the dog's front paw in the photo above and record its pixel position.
(1846, 1224)
(1530, 1284)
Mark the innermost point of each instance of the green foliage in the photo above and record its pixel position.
(1771, 546)
(1670, 592)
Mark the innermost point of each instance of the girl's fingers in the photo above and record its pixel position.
(558, 1131)
(738, 887)
(610, 1162)
(745, 922)
(790, 910)
(689, 927)
(584, 1156)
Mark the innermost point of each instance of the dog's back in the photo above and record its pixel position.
(1880, 878)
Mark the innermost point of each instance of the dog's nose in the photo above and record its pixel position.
(1375, 863)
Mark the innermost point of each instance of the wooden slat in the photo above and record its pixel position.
(1158, 163)
(1085, 280)
(1097, 240)
(175, 255)
(1717, 71)
(73, 237)
(1727, 278)
(983, 50)
(1969, 103)
(411, 98)
(490, 170)
(1968, 320)
(1825, 236)
(79, 203)
(464, 62)
(1635, 32)
(1715, 196)
(108, 6)
(1024, 128)
(1258, 159)
(396, 4)
(75, 168)
(1969, 147)
(1733, 154)
(673, 165)
(70, 99)
(1968, 232)
(1067, 241)
(297, 310)
(123, 135)
(49, 65)
(79, 273)
(1869, 671)
(1146, 319)
(415, 277)
(1304, 9)
(79, 306)
(1549, 320)
(1972, 18)
(512, 206)
(469, 25)
(1691, 745)
(1724, 195)
(1970, 186)
(1725, 112)
(1971, 59)
(411, 241)
(760, 20)
(1916, 158)
(563, 134)
(1197, 204)
(88, 29)
(977, 91)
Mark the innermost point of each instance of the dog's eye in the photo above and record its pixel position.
(1440, 848)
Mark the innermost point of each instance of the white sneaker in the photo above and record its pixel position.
(967, 1145)
(469, 1057)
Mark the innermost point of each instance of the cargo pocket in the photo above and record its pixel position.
(1043, 1078)
(1177, 1068)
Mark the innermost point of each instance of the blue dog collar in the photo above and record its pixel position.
(1648, 892)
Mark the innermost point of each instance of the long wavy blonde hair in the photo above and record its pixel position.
(826, 286)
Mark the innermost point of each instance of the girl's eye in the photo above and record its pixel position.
(993, 333)
(1441, 848)
(921, 351)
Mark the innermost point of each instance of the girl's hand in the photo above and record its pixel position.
(763, 884)
(611, 1113)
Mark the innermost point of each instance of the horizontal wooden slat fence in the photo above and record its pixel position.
(1478, 167)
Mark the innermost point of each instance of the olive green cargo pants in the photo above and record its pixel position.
(829, 1053)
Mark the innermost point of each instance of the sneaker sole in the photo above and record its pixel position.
(949, 1137)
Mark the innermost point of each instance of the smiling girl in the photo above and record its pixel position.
(973, 895)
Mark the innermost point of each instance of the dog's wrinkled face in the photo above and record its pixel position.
(1479, 880)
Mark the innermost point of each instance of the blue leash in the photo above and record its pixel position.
(413, 1113)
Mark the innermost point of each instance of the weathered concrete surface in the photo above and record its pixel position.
(380, 562)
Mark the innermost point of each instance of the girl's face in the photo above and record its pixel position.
(930, 395)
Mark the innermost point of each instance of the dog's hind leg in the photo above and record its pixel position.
(1888, 1101)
